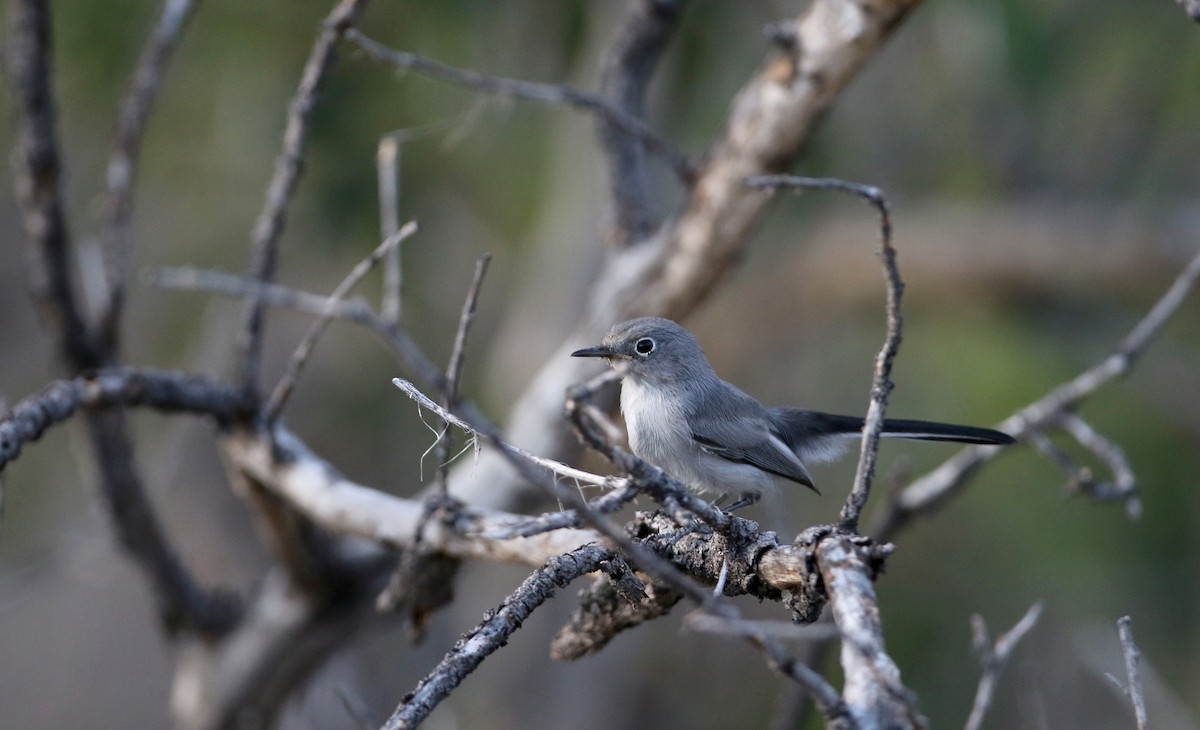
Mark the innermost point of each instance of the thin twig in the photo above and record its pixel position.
(287, 383)
(993, 657)
(288, 165)
(550, 521)
(707, 623)
(531, 91)
(932, 490)
(122, 163)
(881, 385)
(1133, 690)
(387, 163)
(354, 310)
(454, 369)
(1123, 486)
(549, 464)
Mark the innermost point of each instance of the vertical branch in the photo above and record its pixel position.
(454, 369)
(873, 693)
(36, 176)
(992, 657)
(881, 385)
(387, 165)
(1133, 690)
(640, 42)
(182, 602)
(288, 166)
(131, 127)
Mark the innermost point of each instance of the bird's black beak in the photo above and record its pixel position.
(598, 351)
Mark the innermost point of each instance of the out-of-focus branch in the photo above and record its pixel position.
(628, 68)
(932, 490)
(353, 310)
(387, 164)
(287, 383)
(993, 657)
(673, 270)
(286, 633)
(37, 178)
(122, 163)
(288, 166)
(530, 91)
(1133, 673)
(165, 390)
(183, 603)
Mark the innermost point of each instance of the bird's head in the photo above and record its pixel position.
(651, 349)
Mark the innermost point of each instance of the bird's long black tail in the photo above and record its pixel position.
(816, 435)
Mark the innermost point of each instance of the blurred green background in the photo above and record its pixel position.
(1043, 162)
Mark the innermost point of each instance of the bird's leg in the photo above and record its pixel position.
(744, 500)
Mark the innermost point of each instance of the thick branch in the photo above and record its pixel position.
(165, 390)
(493, 633)
(36, 176)
(873, 692)
(645, 31)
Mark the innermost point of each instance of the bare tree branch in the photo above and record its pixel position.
(288, 166)
(164, 390)
(628, 68)
(993, 657)
(387, 163)
(183, 603)
(881, 385)
(493, 633)
(287, 383)
(353, 310)
(122, 163)
(530, 91)
(1133, 673)
(932, 490)
(37, 178)
(454, 369)
(873, 692)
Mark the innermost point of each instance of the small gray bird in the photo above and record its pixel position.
(705, 432)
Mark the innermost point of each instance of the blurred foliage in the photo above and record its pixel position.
(1084, 112)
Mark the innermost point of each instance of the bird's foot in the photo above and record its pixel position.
(744, 500)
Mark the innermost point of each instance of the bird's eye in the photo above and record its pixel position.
(644, 346)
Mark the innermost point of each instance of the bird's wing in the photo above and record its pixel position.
(743, 434)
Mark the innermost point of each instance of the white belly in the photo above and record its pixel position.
(659, 433)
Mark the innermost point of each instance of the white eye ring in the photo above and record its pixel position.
(644, 346)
